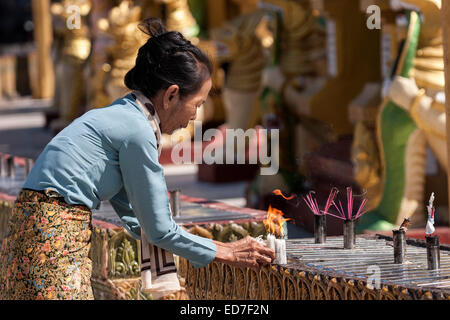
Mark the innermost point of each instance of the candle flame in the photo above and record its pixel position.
(278, 192)
(274, 222)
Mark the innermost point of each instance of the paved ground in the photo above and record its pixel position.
(22, 130)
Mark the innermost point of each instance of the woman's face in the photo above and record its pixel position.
(178, 112)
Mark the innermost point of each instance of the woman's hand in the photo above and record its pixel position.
(245, 253)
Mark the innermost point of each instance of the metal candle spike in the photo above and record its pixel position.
(349, 234)
(175, 202)
(433, 253)
(350, 218)
(28, 166)
(320, 228)
(10, 166)
(3, 166)
(399, 237)
(320, 222)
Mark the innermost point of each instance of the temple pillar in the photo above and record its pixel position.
(446, 42)
(45, 84)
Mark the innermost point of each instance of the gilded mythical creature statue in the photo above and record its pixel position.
(411, 118)
(366, 164)
(72, 49)
(245, 40)
(180, 18)
(97, 96)
(364, 108)
(245, 55)
(326, 81)
(122, 25)
(301, 57)
(296, 49)
(324, 94)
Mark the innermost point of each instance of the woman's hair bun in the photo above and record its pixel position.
(167, 58)
(152, 27)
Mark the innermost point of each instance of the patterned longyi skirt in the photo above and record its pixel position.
(45, 252)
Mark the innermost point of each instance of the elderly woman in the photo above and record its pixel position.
(112, 154)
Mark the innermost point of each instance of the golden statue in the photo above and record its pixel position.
(97, 95)
(294, 46)
(300, 37)
(122, 25)
(364, 108)
(246, 37)
(366, 164)
(422, 96)
(118, 40)
(246, 56)
(300, 69)
(325, 95)
(410, 119)
(73, 47)
(179, 18)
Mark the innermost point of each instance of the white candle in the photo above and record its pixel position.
(271, 241)
(429, 230)
(146, 274)
(146, 277)
(430, 222)
(280, 251)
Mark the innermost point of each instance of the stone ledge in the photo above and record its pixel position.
(115, 254)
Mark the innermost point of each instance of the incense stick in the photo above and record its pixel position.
(312, 204)
(349, 215)
(334, 191)
(330, 214)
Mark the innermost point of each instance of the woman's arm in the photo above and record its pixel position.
(122, 207)
(145, 187)
(236, 253)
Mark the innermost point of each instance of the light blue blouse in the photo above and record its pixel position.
(111, 154)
